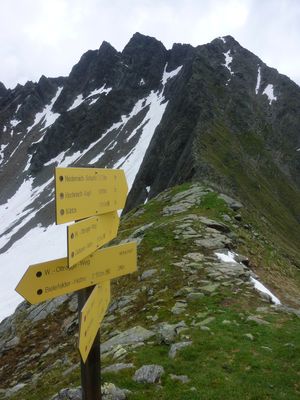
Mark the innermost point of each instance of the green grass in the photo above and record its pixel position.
(221, 363)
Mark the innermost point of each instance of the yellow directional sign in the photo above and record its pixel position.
(84, 192)
(88, 235)
(54, 278)
(91, 316)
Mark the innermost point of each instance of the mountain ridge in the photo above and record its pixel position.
(213, 113)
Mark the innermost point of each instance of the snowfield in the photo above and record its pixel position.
(43, 244)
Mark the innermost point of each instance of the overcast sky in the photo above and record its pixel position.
(49, 36)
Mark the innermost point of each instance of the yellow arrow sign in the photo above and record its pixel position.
(88, 235)
(54, 278)
(84, 192)
(91, 316)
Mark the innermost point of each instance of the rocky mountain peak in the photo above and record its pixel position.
(139, 40)
(3, 90)
(106, 48)
(145, 56)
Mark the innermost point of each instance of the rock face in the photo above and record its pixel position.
(176, 115)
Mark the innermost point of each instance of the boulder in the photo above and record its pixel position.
(179, 307)
(177, 346)
(149, 374)
(166, 333)
(117, 367)
(68, 394)
(131, 336)
(147, 274)
(111, 392)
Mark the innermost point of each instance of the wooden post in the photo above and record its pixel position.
(91, 369)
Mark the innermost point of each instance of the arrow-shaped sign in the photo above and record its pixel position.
(91, 316)
(88, 235)
(54, 278)
(84, 192)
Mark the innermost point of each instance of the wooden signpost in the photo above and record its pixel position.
(88, 235)
(91, 316)
(84, 192)
(55, 278)
(92, 196)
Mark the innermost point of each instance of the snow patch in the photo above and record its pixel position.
(142, 82)
(97, 158)
(261, 288)
(16, 148)
(258, 80)
(230, 257)
(79, 99)
(18, 107)
(269, 91)
(44, 243)
(223, 39)
(228, 60)
(153, 117)
(2, 148)
(99, 91)
(14, 122)
(17, 206)
(147, 190)
(169, 75)
(63, 160)
(47, 117)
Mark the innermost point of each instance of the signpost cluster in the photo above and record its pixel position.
(91, 197)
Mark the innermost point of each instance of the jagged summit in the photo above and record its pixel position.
(3, 89)
(139, 40)
(106, 47)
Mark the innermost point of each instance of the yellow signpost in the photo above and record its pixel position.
(86, 236)
(83, 192)
(91, 195)
(91, 316)
(54, 278)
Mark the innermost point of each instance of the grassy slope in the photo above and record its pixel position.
(272, 203)
(221, 363)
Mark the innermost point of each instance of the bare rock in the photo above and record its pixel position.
(111, 392)
(68, 394)
(167, 333)
(117, 367)
(131, 336)
(147, 274)
(177, 346)
(149, 374)
(180, 378)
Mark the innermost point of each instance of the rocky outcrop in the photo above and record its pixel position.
(163, 323)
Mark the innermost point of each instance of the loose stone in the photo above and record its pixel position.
(149, 374)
